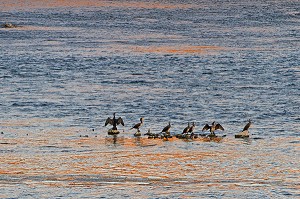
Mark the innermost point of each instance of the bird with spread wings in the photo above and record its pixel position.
(114, 122)
(214, 126)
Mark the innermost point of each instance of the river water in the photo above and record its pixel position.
(68, 65)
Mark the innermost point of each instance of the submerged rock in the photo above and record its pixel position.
(243, 134)
(138, 134)
(113, 132)
(9, 25)
(153, 136)
(187, 136)
(85, 136)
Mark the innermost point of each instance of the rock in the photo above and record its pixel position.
(137, 134)
(8, 25)
(85, 136)
(113, 132)
(183, 136)
(243, 134)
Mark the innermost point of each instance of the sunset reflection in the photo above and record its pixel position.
(178, 49)
(36, 4)
(68, 65)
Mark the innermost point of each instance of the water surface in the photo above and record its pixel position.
(70, 65)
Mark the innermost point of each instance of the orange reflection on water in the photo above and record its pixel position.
(178, 49)
(29, 122)
(90, 161)
(34, 4)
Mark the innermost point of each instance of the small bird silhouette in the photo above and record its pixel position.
(114, 122)
(192, 128)
(138, 125)
(186, 129)
(247, 125)
(167, 129)
(214, 126)
(245, 132)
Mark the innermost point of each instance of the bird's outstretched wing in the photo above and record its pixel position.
(218, 126)
(247, 126)
(206, 127)
(109, 121)
(120, 121)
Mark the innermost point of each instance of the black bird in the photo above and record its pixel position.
(138, 125)
(167, 129)
(245, 132)
(247, 126)
(192, 128)
(186, 129)
(214, 126)
(114, 122)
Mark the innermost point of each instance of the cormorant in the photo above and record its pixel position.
(138, 125)
(247, 125)
(114, 122)
(245, 132)
(192, 128)
(167, 129)
(214, 126)
(186, 129)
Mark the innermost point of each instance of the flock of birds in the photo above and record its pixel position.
(188, 132)
(165, 133)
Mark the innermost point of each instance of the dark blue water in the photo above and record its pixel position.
(202, 61)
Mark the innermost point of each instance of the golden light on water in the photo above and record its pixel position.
(58, 159)
(136, 159)
(67, 64)
(36, 4)
(178, 49)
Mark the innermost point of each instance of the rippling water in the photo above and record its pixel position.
(69, 65)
